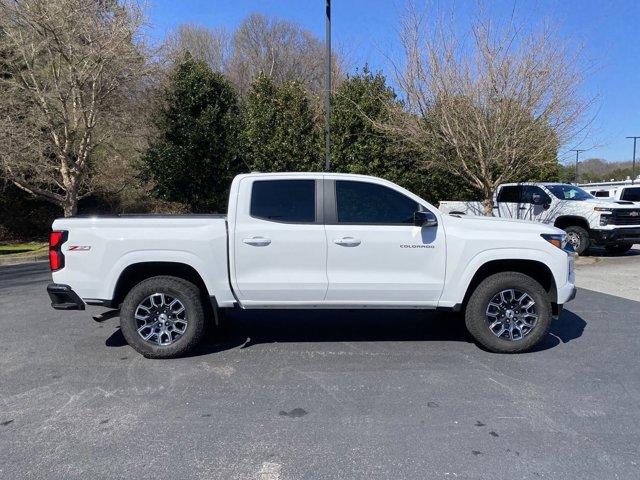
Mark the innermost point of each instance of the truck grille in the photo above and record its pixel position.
(625, 217)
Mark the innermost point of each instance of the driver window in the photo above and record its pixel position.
(369, 203)
(530, 190)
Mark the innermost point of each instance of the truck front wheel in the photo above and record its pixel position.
(508, 312)
(578, 238)
(163, 317)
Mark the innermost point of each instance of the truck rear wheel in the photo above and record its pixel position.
(508, 312)
(578, 237)
(163, 317)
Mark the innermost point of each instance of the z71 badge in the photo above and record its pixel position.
(78, 248)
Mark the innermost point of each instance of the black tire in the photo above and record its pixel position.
(476, 308)
(187, 293)
(618, 248)
(581, 236)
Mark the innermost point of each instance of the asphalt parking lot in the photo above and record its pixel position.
(317, 395)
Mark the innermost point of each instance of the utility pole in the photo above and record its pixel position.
(633, 165)
(327, 93)
(578, 152)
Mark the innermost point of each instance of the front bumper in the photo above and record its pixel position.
(64, 298)
(616, 235)
(566, 293)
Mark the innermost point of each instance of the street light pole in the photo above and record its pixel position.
(633, 164)
(327, 93)
(578, 152)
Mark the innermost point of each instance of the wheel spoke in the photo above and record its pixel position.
(501, 331)
(161, 319)
(511, 314)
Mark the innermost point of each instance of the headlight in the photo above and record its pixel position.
(603, 209)
(556, 239)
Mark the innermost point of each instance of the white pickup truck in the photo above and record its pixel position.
(586, 219)
(312, 240)
(626, 190)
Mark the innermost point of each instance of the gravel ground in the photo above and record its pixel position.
(317, 395)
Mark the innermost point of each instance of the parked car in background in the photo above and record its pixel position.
(586, 220)
(312, 240)
(626, 190)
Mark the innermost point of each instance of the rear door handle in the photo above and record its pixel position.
(347, 241)
(257, 241)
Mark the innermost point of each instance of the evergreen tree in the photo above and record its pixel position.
(193, 157)
(280, 133)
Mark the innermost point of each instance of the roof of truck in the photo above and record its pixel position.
(536, 183)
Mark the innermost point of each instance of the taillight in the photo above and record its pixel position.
(56, 257)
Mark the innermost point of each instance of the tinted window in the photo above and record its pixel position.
(361, 202)
(568, 192)
(528, 191)
(631, 193)
(510, 194)
(284, 200)
(601, 194)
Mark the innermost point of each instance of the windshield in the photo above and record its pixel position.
(631, 193)
(568, 192)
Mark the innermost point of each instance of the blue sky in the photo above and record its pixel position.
(366, 31)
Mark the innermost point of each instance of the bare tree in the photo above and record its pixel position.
(69, 69)
(489, 105)
(213, 46)
(281, 50)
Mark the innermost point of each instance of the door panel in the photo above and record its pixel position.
(509, 202)
(375, 255)
(280, 252)
(533, 212)
(388, 264)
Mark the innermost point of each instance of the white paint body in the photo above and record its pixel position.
(258, 263)
(615, 191)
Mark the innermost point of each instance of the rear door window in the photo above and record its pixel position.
(290, 201)
(509, 194)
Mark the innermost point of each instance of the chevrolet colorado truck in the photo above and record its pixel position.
(587, 220)
(311, 240)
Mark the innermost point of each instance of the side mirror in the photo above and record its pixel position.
(424, 219)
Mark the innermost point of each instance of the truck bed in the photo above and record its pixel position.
(99, 248)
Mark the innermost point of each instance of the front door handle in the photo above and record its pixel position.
(347, 241)
(257, 241)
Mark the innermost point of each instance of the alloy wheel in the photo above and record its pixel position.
(161, 319)
(511, 314)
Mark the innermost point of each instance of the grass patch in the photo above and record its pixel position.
(13, 248)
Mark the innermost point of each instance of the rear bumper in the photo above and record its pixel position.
(617, 235)
(64, 298)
